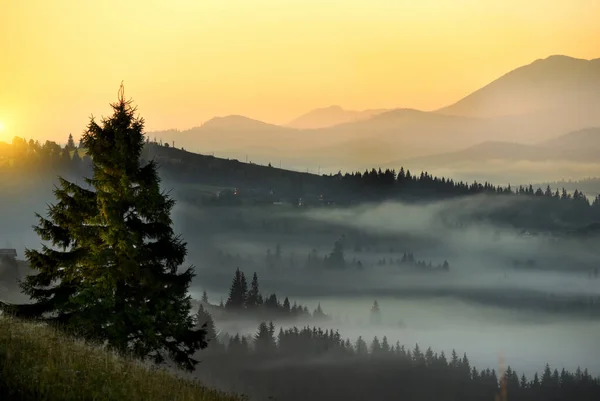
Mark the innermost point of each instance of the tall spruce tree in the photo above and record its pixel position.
(254, 297)
(70, 143)
(113, 276)
(238, 291)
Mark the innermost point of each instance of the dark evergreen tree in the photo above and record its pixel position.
(286, 305)
(70, 143)
(204, 297)
(254, 297)
(114, 275)
(206, 322)
(376, 347)
(264, 340)
(271, 302)
(237, 292)
(361, 347)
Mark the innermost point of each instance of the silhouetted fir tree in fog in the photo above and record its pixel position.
(204, 320)
(238, 292)
(286, 305)
(70, 143)
(113, 276)
(272, 303)
(254, 298)
(264, 340)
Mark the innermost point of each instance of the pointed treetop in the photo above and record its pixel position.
(121, 94)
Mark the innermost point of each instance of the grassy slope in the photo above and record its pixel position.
(39, 363)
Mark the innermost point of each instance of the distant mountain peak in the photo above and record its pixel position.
(331, 115)
(555, 83)
(560, 57)
(232, 121)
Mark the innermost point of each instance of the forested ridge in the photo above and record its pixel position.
(246, 183)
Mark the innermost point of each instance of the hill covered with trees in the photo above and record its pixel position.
(211, 181)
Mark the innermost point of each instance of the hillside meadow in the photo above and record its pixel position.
(41, 363)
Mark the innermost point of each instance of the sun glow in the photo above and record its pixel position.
(4, 135)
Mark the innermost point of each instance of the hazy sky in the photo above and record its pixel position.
(184, 61)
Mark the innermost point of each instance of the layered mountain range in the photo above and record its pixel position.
(546, 110)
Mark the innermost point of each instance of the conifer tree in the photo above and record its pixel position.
(70, 143)
(264, 340)
(205, 320)
(254, 298)
(238, 291)
(286, 305)
(375, 347)
(361, 347)
(113, 276)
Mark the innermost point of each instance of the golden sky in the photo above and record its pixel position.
(185, 61)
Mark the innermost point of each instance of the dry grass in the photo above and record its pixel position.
(40, 363)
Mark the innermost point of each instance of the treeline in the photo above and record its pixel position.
(551, 208)
(380, 183)
(312, 363)
(408, 259)
(27, 156)
(244, 300)
(335, 259)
